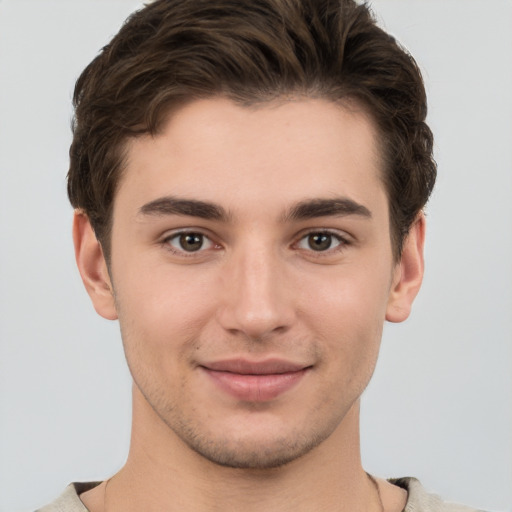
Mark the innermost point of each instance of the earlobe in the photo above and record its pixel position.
(408, 273)
(93, 267)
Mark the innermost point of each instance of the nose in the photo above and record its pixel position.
(258, 300)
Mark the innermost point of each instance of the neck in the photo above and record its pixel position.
(162, 473)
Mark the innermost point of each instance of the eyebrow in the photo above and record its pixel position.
(339, 206)
(190, 207)
(303, 210)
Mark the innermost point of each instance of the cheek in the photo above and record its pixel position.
(347, 312)
(355, 295)
(163, 299)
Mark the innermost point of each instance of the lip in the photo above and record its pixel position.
(255, 381)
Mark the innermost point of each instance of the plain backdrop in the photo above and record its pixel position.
(440, 404)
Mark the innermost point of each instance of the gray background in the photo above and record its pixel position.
(440, 404)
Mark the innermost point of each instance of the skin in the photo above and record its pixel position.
(256, 289)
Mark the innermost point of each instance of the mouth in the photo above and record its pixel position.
(255, 381)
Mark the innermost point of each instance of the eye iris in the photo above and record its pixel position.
(191, 242)
(319, 241)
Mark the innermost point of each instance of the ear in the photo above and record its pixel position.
(93, 267)
(408, 273)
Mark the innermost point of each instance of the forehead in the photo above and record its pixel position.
(263, 155)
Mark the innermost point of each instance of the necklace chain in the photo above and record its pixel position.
(377, 488)
(105, 494)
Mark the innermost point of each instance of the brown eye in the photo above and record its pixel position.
(319, 241)
(189, 242)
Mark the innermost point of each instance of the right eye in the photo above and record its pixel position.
(188, 242)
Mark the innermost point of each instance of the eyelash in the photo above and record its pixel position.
(342, 241)
(166, 242)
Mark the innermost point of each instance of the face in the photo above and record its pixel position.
(252, 272)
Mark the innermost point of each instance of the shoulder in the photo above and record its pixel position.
(69, 500)
(419, 500)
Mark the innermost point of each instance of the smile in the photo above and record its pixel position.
(255, 381)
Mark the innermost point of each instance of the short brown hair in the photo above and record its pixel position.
(250, 51)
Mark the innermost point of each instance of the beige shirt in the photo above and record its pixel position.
(418, 499)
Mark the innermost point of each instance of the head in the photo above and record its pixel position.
(249, 177)
(174, 51)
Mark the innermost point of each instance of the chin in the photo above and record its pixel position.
(274, 455)
(254, 450)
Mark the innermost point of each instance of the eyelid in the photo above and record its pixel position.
(165, 241)
(343, 238)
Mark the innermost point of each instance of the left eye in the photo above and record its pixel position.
(320, 241)
(189, 242)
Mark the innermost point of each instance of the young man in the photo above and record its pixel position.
(249, 179)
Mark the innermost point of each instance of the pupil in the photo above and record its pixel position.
(320, 241)
(191, 242)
